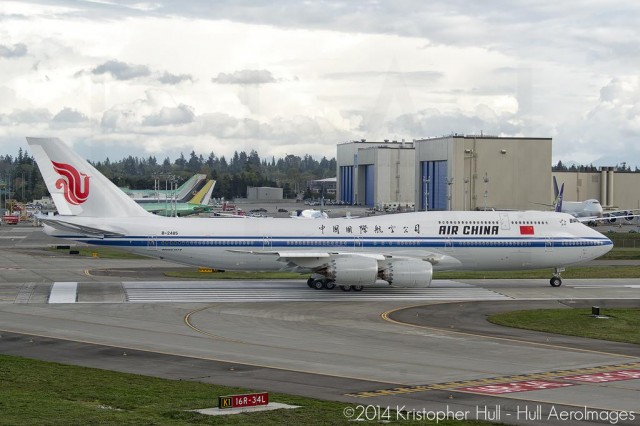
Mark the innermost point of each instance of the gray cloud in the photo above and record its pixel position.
(168, 78)
(431, 122)
(183, 114)
(68, 115)
(245, 77)
(571, 30)
(16, 51)
(121, 70)
(28, 116)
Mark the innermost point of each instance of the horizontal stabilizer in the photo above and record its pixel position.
(78, 229)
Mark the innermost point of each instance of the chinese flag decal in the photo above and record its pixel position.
(526, 230)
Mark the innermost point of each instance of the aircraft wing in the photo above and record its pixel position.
(611, 217)
(318, 259)
(61, 225)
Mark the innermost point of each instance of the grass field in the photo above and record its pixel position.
(45, 393)
(623, 325)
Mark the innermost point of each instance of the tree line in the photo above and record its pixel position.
(233, 175)
(620, 168)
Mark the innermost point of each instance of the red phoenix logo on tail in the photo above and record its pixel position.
(75, 185)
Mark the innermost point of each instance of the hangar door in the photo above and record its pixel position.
(433, 181)
(346, 184)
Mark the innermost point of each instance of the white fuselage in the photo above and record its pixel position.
(587, 208)
(449, 240)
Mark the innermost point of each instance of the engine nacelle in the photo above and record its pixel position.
(353, 270)
(408, 273)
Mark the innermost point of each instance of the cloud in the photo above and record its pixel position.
(17, 51)
(28, 116)
(167, 116)
(245, 77)
(608, 132)
(121, 70)
(431, 122)
(68, 115)
(168, 78)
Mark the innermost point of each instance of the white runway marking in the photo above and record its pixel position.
(63, 292)
(149, 292)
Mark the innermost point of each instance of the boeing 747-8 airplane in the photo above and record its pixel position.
(401, 249)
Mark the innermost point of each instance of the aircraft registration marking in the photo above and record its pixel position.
(620, 370)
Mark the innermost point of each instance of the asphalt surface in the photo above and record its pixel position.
(435, 354)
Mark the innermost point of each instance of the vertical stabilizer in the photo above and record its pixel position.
(558, 203)
(76, 187)
(204, 195)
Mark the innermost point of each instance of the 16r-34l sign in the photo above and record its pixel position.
(244, 400)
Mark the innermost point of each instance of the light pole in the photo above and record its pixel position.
(449, 183)
(466, 192)
(425, 182)
(486, 191)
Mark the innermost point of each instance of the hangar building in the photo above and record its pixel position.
(614, 189)
(370, 173)
(456, 172)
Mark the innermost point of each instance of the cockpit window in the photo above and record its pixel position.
(573, 221)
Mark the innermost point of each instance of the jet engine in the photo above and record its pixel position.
(353, 270)
(408, 273)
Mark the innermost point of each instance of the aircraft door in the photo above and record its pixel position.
(504, 221)
(448, 244)
(548, 244)
(152, 242)
(357, 243)
(267, 242)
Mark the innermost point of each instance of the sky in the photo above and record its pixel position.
(118, 78)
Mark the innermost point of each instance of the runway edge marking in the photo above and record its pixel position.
(460, 385)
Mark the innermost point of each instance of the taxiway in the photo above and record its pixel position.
(419, 349)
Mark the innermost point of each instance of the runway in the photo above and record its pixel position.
(418, 348)
(252, 291)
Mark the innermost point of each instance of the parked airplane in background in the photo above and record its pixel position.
(588, 211)
(402, 249)
(199, 203)
(182, 194)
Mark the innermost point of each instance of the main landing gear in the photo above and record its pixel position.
(556, 280)
(328, 284)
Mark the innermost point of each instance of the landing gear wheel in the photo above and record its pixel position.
(317, 284)
(357, 287)
(345, 288)
(310, 282)
(555, 282)
(328, 284)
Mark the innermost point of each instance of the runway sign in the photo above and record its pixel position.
(512, 387)
(244, 400)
